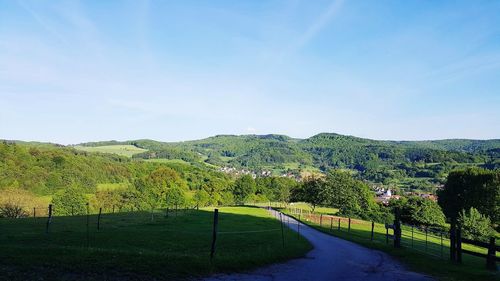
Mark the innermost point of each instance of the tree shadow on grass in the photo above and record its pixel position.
(129, 246)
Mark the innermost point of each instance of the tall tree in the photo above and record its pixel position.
(351, 196)
(155, 187)
(243, 188)
(313, 191)
(475, 225)
(422, 211)
(473, 187)
(281, 188)
(70, 201)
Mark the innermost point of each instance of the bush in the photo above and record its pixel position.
(17, 203)
(201, 198)
(70, 201)
(475, 225)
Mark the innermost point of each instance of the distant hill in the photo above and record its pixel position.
(419, 165)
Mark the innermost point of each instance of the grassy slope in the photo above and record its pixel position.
(428, 257)
(123, 150)
(130, 246)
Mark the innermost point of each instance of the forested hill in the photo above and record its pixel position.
(414, 164)
(325, 149)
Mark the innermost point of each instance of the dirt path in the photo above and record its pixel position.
(331, 259)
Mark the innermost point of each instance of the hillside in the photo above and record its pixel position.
(414, 165)
(44, 169)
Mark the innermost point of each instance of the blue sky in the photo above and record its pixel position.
(74, 71)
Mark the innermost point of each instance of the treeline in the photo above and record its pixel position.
(470, 198)
(386, 162)
(44, 169)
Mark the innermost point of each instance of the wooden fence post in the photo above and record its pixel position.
(282, 231)
(373, 226)
(490, 258)
(412, 236)
(88, 221)
(99, 219)
(298, 228)
(397, 229)
(459, 244)
(34, 212)
(331, 223)
(214, 232)
(321, 220)
(453, 243)
(339, 225)
(426, 238)
(349, 226)
(386, 234)
(441, 232)
(49, 219)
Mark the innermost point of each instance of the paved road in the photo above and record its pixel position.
(331, 259)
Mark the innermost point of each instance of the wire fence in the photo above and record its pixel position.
(95, 231)
(425, 240)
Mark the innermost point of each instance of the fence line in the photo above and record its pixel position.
(427, 240)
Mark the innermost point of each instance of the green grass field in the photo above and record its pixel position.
(318, 209)
(130, 246)
(123, 150)
(429, 257)
(168, 161)
(112, 186)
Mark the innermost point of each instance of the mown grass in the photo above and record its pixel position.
(130, 246)
(306, 207)
(112, 186)
(168, 161)
(428, 257)
(123, 150)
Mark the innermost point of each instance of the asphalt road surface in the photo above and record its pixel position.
(331, 259)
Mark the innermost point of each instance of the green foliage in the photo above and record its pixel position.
(175, 197)
(70, 201)
(312, 191)
(282, 188)
(162, 186)
(475, 226)
(45, 169)
(107, 199)
(421, 211)
(201, 198)
(473, 187)
(420, 166)
(351, 196)
(16, 203)
(243, 188)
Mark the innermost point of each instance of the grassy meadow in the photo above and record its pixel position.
(130, 246)
(123, 150)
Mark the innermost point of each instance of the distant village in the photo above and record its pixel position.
(255, 174)
(385, 194)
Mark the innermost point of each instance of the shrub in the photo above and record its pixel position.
(17, 203)
(70, 201)
(475, 225)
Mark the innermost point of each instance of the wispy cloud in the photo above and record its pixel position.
(313, 29)
(466, 67)
(43, 22)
